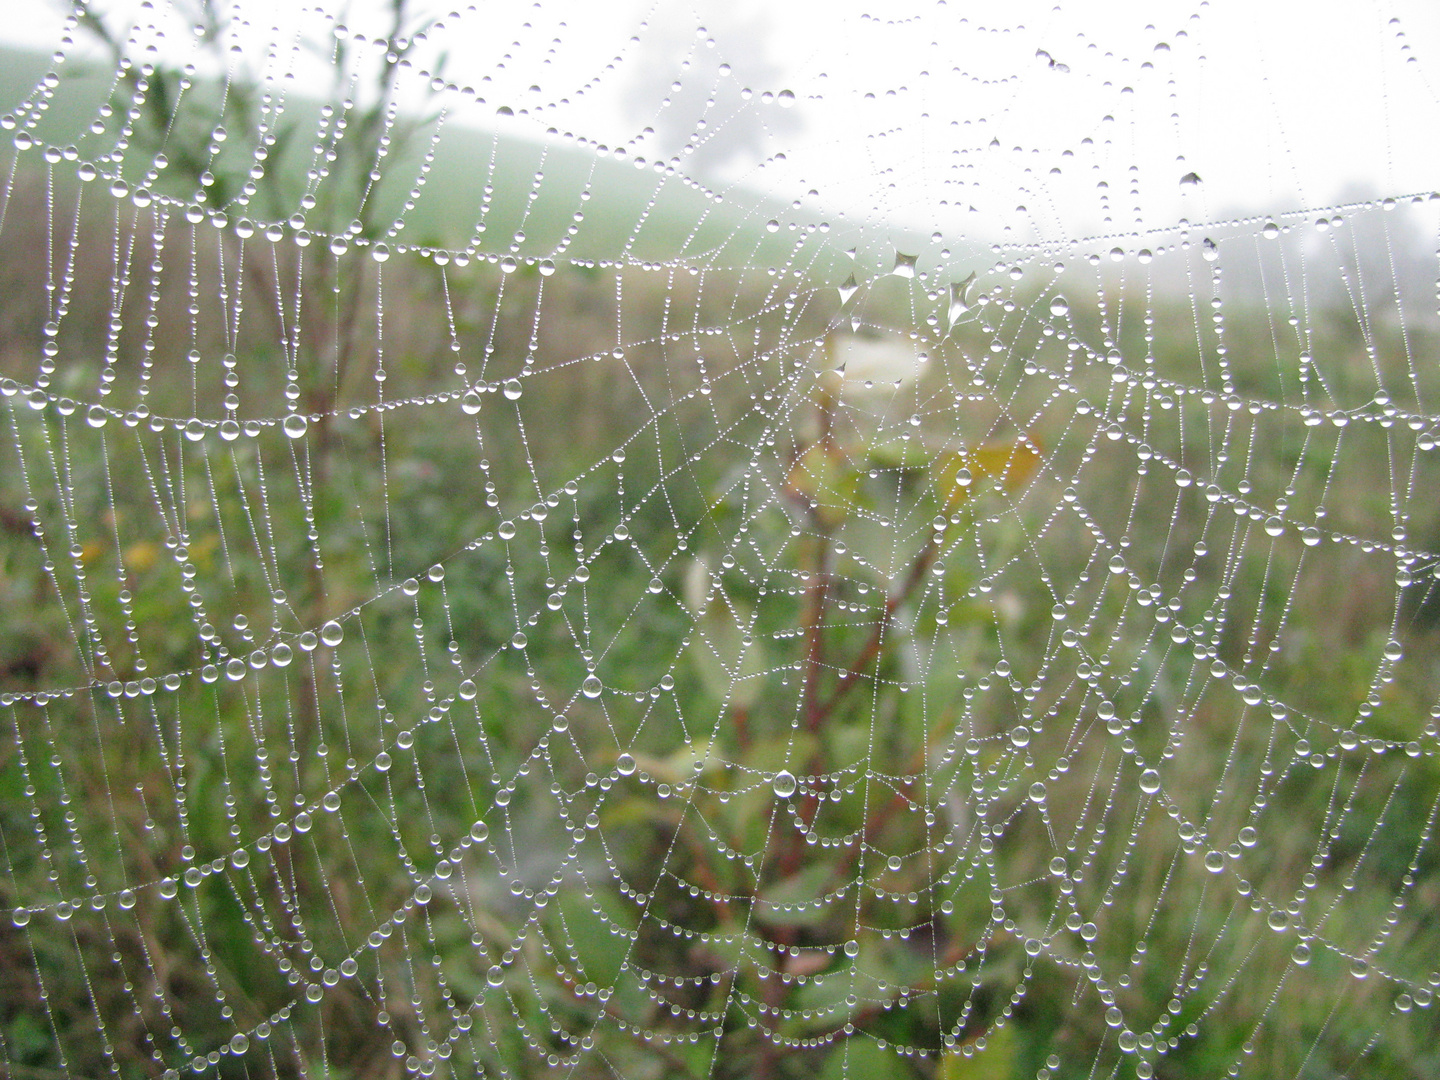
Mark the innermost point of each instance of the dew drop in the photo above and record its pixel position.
(960, 298)
(592, 687)
(1059, 307)
(97, 417)
(295, 425)
(470, 403)
(1274, 526)
(512, 389)
(904, 265)
(332, 633)
(1150, 781)
(1209, 250)
(784, 783)
(625, 765)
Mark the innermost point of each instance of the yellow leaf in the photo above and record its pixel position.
(958, 473)
(141, 556)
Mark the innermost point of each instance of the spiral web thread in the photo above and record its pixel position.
(705, 634)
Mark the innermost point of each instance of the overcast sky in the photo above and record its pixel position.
(1049, 120)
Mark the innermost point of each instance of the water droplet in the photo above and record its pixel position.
(592, 687)
(852, 947)
(772, 226)
(847, 289)
(964, 477)
(1209, 250)
(479, 832)
(20, 916)
(547, 267)
(1059, 307)
(519, 640)
(1214, 861)
(960, 298)
(495, 976)
(1274, 526)
(1278, 920)
(784, 784)
(1150, 781)
(1270, 231)
(1190, 180)
(295, 425)
(1301, 955)
(506, 530)
(97, 417)
(785, 99)
(904, 265)
(380, 252)
(512, 389)
(625, 765)
(332, 633)
(1020, 735)
(229, 430)
(470, 403)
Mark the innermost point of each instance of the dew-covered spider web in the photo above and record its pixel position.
(667, 541)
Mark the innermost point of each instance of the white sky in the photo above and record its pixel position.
(1280, 103)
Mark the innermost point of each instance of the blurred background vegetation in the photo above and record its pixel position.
(646, 696)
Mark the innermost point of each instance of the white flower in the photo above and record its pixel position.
(871, 365)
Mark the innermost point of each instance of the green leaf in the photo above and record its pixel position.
(826, 479)
(797, 899)
(727, 666)
(998, 1061)
(861, 1057)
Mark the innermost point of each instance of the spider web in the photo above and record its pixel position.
(484, 597)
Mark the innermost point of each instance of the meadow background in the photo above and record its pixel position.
(425, 721)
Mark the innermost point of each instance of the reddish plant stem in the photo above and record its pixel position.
(866, 656)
